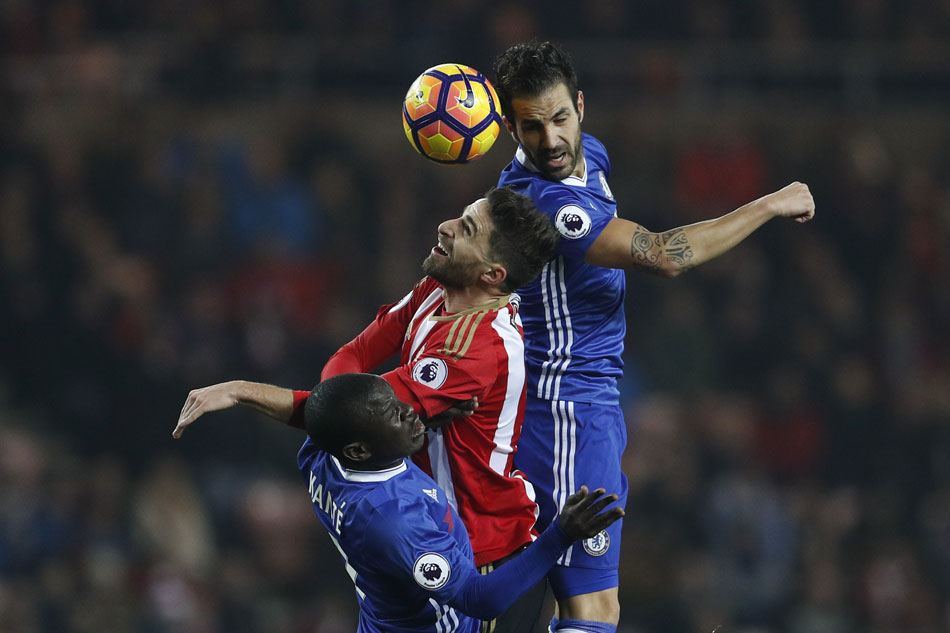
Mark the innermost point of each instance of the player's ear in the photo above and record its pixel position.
(356, 452)
(580, 106)
(511, 129)
(495, 275)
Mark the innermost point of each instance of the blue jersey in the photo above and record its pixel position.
(405, 548)
(572, 313)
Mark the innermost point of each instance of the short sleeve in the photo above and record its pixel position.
(411, 548)
(578, 224)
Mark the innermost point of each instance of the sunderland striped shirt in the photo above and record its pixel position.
(445, 358)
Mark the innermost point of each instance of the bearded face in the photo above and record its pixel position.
(449, 272)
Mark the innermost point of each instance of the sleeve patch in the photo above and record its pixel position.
(572, 222)
(431, 372)
(431, 571)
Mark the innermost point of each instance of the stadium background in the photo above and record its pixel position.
(197, 191)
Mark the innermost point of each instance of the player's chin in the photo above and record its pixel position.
(416, 442)
(557, 173)
(430, 265)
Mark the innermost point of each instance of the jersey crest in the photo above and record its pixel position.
(431, 571)
(431, 372)
(597, 545)
(572, 222)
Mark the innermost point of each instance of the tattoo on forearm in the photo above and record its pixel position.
(676, 246)
(649, 250)
(645, 251)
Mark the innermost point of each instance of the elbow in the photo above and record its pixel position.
(669, 268)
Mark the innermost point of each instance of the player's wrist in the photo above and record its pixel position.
(240, 391)
(560, 534)
(765, 208)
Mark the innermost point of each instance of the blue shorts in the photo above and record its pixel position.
(563, 446)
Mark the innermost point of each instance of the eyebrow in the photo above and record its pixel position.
(470, 223)
(537, 120)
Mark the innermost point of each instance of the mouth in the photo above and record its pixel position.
(419, 429)
(439, 251)
(556, 161)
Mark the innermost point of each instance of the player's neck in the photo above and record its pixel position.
(580, 170)
(462, 299)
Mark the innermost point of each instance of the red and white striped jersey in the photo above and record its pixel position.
(447, 358)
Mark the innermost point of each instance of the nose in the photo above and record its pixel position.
(448, 227)
(548, 137)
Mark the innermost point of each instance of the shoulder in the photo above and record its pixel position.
(394, 508)
(426, 285)
(401, 517)
(308, 454)
(424, 288)
(596, 154)
(592, 145)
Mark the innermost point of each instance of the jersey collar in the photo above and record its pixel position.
(497, 304)
(361, 476)
(573, 181)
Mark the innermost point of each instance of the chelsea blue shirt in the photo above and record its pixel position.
(408, 552)
(403, 546)
(573, 316)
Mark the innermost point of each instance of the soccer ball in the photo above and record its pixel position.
(451, 114)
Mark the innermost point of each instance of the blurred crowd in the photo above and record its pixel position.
(166, 223)
(37, 26)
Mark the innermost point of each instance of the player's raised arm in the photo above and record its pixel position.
(626, 244)
(584, 516)
(274, 402)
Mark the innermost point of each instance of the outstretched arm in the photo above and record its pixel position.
(583, 516)
(625, 244)
(274, 402)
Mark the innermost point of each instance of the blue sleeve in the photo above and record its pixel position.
(414, 549)
(578, 223)
(406, 543)
(486, 597)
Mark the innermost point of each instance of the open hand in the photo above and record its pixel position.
(581, 516)
(460, 409)
(204, 400)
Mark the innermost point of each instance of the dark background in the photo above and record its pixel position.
(197, 191)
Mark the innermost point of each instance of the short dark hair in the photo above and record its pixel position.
(522, 238)
(334, 412)
(530, 69)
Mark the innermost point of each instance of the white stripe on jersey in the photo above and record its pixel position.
(504, 432)
(560, 331)
(439, 460)
(566, 326)
(565, 441)
(529, 491)
(545, 273)
(349, 568)
(572, 423)
(560, 459)
(398, 306)
(424, 325)
(447, 621)
(556, 325)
